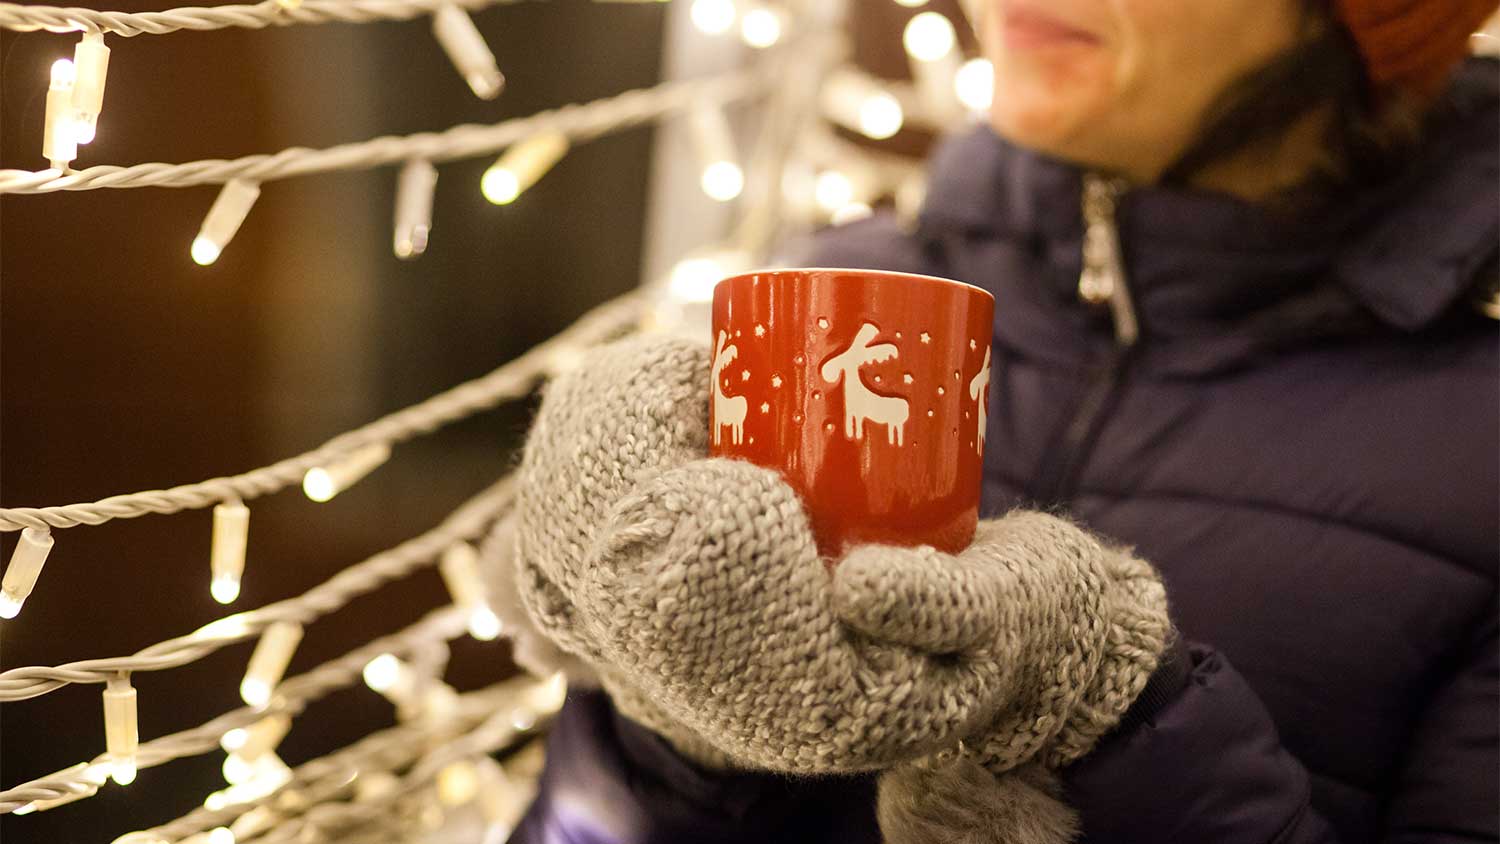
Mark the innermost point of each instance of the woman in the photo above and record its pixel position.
(1236, 249)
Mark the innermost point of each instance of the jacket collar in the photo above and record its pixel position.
(1212, 276)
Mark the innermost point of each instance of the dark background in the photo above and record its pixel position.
(125, 366)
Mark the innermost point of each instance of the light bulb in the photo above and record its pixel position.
(382, 672)
(121, 734)
(204, 251)
(223, 219)
(500, 187)
(91, 58)
(220, 835)
(929, 36)
(761, 27)
(59, 135)
(269, 661)
(521, 165)
(880, 116)
(237, 770)
(833, 190)
(975, 84)
(465, 46)
(484, 625)
(457, 783)
(226, 561)
(415, 186)
(322, 483)
(26, 562)
(723, 180)
(713, 17)
(234, 739)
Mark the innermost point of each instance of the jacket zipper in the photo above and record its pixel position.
(1102, 282)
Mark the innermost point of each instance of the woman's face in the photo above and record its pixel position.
(1122, 84)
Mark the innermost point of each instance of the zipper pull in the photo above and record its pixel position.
(1103, 277)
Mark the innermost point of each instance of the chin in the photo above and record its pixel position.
(1057, 114)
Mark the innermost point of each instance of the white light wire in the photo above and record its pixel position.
(465, 523)
(471, 729)
(27, 18)
(509, 381)
(292, 696)
(579, 122)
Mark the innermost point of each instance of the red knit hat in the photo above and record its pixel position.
(1413, 45)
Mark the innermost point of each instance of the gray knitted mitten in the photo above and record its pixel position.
(694, 590)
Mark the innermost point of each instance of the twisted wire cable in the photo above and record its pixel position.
(512, 380)
(496, 731)
(248, 16)
(291, 697)
(467, 522)
(328, 777)
(579, 121)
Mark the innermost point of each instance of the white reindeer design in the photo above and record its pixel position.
(979, 391)
(728, 410)
(861, 404)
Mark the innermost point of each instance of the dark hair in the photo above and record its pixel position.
(1368, 136)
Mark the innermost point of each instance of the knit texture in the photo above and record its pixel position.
(695, 591)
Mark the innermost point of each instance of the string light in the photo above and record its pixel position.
(833, 190)
(459, 568)
(415, 186)
(26, 563)
(322, 483)
(975, 84)
(227, 558)
(223, 220)
(761, 27)
(252, 742)
(693, 278)
(93, 776)
(59, 137)
(268, 663)
(713, 17)
(521, 166)
(465, 46)
(722, 179)
(856, 101)
(91, 63)
(928, 36)
(121, 734)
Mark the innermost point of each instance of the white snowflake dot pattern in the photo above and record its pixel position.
(817, 395)
(929, 413)
(828, 426)
(941, 391)
(798, 360)
(797, 417)
(955, 375)
(822, 322)
(775, 380)
(906, 378)
(925, 338)
(736, 332)
(973, 345)
(877, 379)
(760, 330)
(898, 335)
(745, 375)
(765, 407)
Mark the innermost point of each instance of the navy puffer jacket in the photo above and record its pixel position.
(1305, 440)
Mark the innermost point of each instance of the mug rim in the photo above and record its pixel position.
(858, 270)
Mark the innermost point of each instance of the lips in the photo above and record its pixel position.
(1026, 27)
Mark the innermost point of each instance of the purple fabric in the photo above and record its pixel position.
(1307, 445)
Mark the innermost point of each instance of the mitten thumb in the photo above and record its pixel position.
(958, 801)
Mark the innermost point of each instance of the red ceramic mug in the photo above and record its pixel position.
(866, 390)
